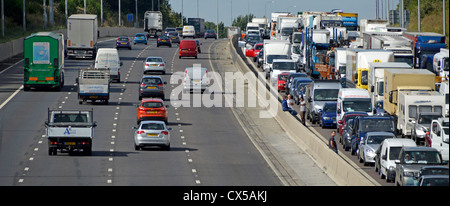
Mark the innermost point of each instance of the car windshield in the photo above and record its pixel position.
(434, 171)
(152, 105)
(426, 119)
(152, 126)
(377, 125)
(284, 66)
(297, 38)
(435, 182)
(377, 139)
(259, 46)
(270, 58)
(154, 59)
(296, 49)
(287, 31)
(282, 77)
(330, 108)
(253, 38)
(421, 157)
(326, 94)
(361, 105)
(140, 35)
(151, 81)
(123, 39)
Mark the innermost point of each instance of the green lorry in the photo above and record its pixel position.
(44, 61)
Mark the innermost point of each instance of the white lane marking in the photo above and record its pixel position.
(10, 97)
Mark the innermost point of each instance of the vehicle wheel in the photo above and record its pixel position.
(88, 151)
(26, 88)
(179, 57)
(129, 48)
(136, 147)
(195, 57)
(167, 147)
(140, 97)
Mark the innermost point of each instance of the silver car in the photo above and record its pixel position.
(151, 86)
(369, 144)
(151, 133)
(174, 36)
(154, 64)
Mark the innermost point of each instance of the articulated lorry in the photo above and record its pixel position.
(153, 23)
(43, 61)
(82, 36)
(425, 43)
(70, 130)
(390, 41)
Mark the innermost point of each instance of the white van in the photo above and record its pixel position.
(353, 100)
(108, 58)
(195, 78)
(188, 31)
(389, 152)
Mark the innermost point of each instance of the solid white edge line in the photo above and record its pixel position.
(10, 97)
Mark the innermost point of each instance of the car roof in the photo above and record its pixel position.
(419, 149)
(152, 100)
(152, 121)
(355, 113)
(148, 76)
(380, 133)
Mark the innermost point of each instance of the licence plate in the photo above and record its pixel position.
(155, 65)
(163, 40)
(197, 81)
(151, 87)
(93, 97)
(173, 37)
(123, 43)
(152, 112)
(69, 143)
(184, 50)
(152, 135)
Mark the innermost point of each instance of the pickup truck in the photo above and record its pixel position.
(70, 130)
(93, 84)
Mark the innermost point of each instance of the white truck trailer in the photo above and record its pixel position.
(275, 49)
(153, 23)
(82, 36)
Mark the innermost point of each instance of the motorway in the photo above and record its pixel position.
(208, 146)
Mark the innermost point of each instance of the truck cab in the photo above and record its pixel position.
(437, 137)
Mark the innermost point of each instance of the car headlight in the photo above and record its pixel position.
(370, 152)
(408, 174)
(421, 131)
(326, 118)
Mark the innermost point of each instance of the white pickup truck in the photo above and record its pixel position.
(70, 130)
(93, 84)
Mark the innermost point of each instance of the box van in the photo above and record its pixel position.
(388, 152)
(188, 31)
(108, 58)
(188, 48)
(353, 100)
(195, 78)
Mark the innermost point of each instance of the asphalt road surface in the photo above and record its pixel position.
(208, 146)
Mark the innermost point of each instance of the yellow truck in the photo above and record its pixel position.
(398, 82)
(357, 72)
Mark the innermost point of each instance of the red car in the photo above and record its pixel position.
(282, 81)
(151, 109)
(254, 51)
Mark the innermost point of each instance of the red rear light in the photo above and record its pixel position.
(160, 85)
(146, 64)
(143, 85)
(140, 132)
(161, 65)
(165, 132)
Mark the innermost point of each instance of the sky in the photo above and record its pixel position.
(208, 8)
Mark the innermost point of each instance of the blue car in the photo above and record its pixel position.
(140, 38)
(123, 42)
(328, 115)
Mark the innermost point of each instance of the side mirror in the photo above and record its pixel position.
(397, 161)
(46, 123)
(383, 157)
(372, 89)
(95, 124)
(170, 129)
(27, 62)
(165, 83)
(135, 128)
(121, 63)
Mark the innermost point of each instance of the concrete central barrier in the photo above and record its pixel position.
(337, 167)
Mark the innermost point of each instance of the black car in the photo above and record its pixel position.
(164, 40)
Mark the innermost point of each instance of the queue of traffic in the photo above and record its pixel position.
(385, 89)
(72, 130)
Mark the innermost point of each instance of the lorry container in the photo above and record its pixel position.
(358, 60)
(372, 25)
(43, 61)
(70, 130)
(390, 41)
(93, 84)
(82, 36)
(340, 58)
(376, 77)
(153, 23)
(199, 26)
(349, 20)
(286, 25)
(425, 43)
(275, 49)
